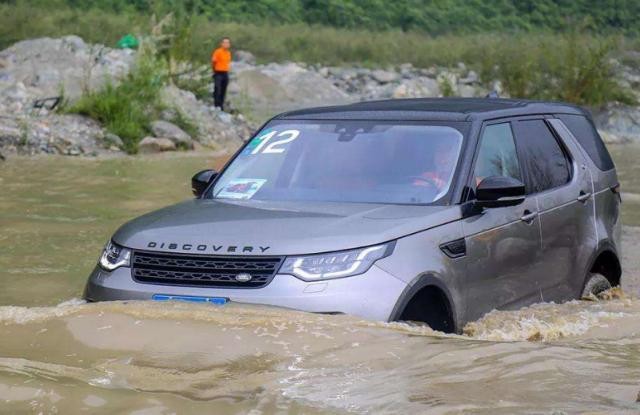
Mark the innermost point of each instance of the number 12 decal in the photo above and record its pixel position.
(276, 146)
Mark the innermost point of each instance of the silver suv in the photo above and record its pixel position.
(431, 210)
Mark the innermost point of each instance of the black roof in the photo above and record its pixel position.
(453, 109)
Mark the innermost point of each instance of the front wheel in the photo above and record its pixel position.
(596, 284)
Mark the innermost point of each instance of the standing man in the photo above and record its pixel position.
(221, 64)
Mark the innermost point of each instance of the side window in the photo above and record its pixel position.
(497, 154)
(542, 157)
(588, 137)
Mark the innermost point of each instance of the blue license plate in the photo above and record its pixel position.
(191, 299)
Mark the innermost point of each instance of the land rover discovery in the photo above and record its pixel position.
(431, 210)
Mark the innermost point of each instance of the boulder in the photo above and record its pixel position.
(216, 129)
(471, 78)
(113, 140)
(244, 57)
(422, 87)
(467, 91)
(51, 134)
(270, 89)
(619, 123)
(165, 129)
(384, 77)
(46, 67)
(155, 145)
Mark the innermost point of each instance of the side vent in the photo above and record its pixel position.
(455, 249)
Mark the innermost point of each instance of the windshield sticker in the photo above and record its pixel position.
(259, 144)
(241, 189)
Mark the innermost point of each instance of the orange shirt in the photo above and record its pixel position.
(221, 60)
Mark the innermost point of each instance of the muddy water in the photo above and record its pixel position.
(150, 358)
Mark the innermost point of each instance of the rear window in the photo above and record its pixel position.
(586, 134)
(545, 162)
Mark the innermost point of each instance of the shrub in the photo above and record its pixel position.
(128, 107)
(571, 67)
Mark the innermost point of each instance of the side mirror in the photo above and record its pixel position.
(499, 191)
(201, 180)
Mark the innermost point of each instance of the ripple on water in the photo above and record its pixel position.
(183, 357)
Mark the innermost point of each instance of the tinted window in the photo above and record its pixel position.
(543, 159)
(344, 161)
(584, 131)
(497, 154)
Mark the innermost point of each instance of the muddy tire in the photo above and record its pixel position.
(596, 284)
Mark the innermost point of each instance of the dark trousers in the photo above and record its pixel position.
(220, 82)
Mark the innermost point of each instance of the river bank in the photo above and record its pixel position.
(67, 69)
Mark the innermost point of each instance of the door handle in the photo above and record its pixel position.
(528, 216)
(583, 197)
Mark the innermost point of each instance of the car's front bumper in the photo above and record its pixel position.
(371, 295)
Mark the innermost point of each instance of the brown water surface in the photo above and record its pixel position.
(59, 355)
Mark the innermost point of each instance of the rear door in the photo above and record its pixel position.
(561, 184)
(503, 244)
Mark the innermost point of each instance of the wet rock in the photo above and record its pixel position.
(155, 145)
(171, 131)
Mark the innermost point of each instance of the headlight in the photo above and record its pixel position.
(335, 264)
(114, 256)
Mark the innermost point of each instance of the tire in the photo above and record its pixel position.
(595, 285)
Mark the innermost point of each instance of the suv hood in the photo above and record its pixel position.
(276, 228)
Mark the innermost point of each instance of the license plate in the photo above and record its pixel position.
(191, 299)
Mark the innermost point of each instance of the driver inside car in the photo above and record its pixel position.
(441, 168)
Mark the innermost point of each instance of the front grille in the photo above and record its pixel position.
(203, 270)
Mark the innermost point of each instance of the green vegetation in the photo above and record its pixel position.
(126, 109)
(435, 17)
(524, 44)
(570, 68)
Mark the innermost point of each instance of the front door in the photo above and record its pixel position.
(503, 244)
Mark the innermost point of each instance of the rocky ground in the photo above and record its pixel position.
(33, 70)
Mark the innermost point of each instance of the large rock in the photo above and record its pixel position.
(165, 129)
(47, 67)
(155, 145)
(216, 129)
(244, 57)
(619, 123)
(421, 87)
(384, 77)
(52, 134)
(270, 89)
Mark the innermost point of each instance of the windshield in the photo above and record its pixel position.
(344, 161)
